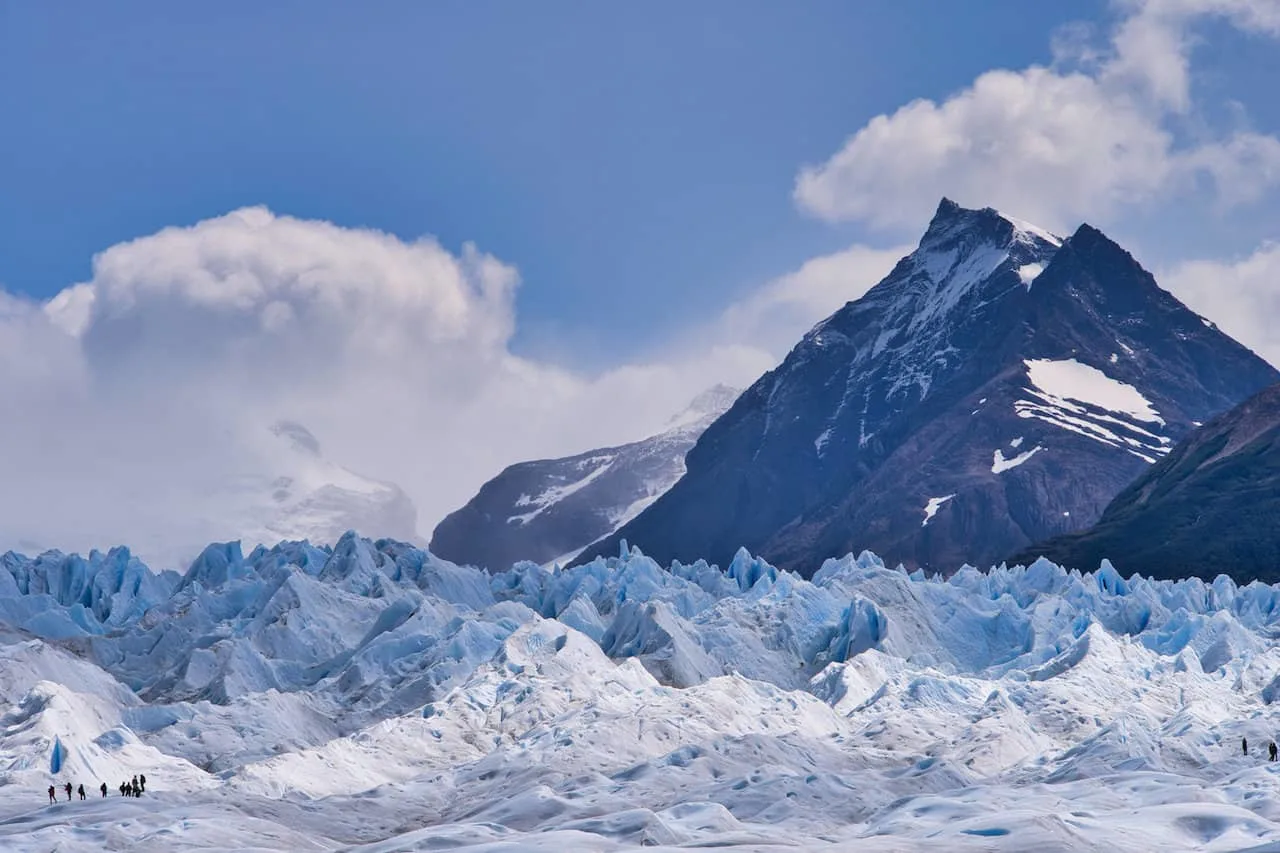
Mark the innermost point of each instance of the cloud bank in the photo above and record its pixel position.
(1103, 130)
(141, 399)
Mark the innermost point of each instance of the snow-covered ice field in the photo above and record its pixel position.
(372, 697)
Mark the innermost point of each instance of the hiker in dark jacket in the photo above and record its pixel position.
(1271, 748)
(142, 782)
(124, 789)
(104, 789)
(67, 788)
(1244, 745)
(53, 794)
(80, 791)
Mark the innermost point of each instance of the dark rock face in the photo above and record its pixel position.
(881, 428)
(1208, 508)
(551, 509)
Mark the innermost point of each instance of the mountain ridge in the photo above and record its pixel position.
(548, 510)
(1207, 507)
(893, 403)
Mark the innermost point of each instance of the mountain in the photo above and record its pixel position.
(553, 508)
(1000, 386)
(299, 493)
(1207, 508)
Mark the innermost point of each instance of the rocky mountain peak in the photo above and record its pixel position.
(998, 387)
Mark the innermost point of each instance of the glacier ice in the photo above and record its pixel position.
(622, 703)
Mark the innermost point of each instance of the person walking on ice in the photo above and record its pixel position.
(1244, 745)
(53, 794)
(67, 788)
(1271, 749)
(80, 791)
(104, 789)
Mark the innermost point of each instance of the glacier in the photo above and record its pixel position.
(371, 696)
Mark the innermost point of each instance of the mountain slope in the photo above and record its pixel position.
(1000, 386)
(553, 508)
(1209, 507)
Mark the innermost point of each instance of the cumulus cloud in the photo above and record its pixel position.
(144, 395)
(1056, 144)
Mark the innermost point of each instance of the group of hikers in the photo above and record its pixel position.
(1272, 750)
(132, 788)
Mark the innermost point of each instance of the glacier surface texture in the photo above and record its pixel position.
(371, 696)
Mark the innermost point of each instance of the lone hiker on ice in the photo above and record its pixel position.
(1271, 748)
(80, 791)
(53, 794)
(104, 789)
(1244, 745)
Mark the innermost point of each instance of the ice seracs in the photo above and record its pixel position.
(539, 708)
(621, 703)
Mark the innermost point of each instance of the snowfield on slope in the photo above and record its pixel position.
(373, 697)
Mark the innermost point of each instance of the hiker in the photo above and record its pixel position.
(1271, 748)
(80, 791)
(124, 789)
(1244, 745)
(104, 789)
(67, 787)
(53, 794)
(142, 782)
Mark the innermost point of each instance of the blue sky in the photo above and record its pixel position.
(631, 202)
(635, 162)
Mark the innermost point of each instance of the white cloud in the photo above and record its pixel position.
(1242, 297)
(145, 393)
(1054, 145)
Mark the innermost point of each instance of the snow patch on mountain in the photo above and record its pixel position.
(1029, 232)
(596, 465)
(1082, 399)
(1027, 272)
(932, 506)
(999, 464)
(1071, 380)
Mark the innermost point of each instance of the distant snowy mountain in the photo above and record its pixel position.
(1208, 507)
(277, 484)
(999, 387)
(304, 495)
(553, 508)
(371, 696)
(254, 482)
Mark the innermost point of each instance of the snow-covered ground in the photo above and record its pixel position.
(373, 697)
